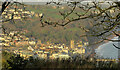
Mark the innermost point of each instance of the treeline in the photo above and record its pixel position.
(15, 62)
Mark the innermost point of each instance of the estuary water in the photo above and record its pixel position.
(107, 50)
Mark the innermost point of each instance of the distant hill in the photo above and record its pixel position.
(49, 33)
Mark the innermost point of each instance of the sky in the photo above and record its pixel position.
(53, 0)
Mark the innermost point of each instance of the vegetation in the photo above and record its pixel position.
(105, 25)
(16, 62)
(49, 33)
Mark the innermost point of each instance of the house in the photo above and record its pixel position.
(46, 52)
(32, 12)
(23, 55)
(5, 10)
(11, 33)
(2, 39)
(60, 47)
(15, 12)
(36, 15)
(86, 43)
(12, 10)
(55, 46)
(54, 56)
(16, 17)
(21, 43)
(74, 52)
(32, 42)
(26, 39)
(65, 50)
(40, 51)
(6, 44)
(27, 12)
(5, 37)
(1, 44)
(20, 9)
(4, 13)
(6, 16)
(112, 11)
(40, 15)
(81, 51)
(43, 47)
(30, 48)
(80, 45)
(50, 46)
(16, 51)
(16, 38)
(7, 40)
(63, 56)
(42, 56)
(9, 17)
(1, 34)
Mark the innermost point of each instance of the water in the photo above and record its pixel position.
(107, 50)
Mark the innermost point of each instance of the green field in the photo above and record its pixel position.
(51, 12)
(49, 33)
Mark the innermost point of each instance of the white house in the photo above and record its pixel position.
(63, 56)
(32, 42)
(6, 44)
(11, 33)
(30, 48)
(2, 39)
(65, 50)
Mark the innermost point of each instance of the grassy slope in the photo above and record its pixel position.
(50, 33)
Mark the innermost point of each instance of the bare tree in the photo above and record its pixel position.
(106, 19)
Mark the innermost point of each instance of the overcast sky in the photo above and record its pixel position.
(55, 0)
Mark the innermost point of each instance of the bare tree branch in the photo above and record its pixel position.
(116, 46)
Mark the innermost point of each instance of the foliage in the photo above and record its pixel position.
(17, 62)
(12, 62)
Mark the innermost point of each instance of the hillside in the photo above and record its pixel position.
(49, 33)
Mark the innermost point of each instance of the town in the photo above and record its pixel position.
(73, 35)
(18, 43)
(20, 13)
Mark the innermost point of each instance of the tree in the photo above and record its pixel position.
(17, 62)
(103, 17)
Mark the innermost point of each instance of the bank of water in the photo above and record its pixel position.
(107, 50)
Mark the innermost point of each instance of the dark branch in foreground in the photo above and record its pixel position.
(104, 23)
(4, 6)
(116, 46)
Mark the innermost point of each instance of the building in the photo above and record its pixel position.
(80, 45)
(32, 42)
(39, 42)
(81, 51)
(72, 44)
(63, 56)
(30, 48)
